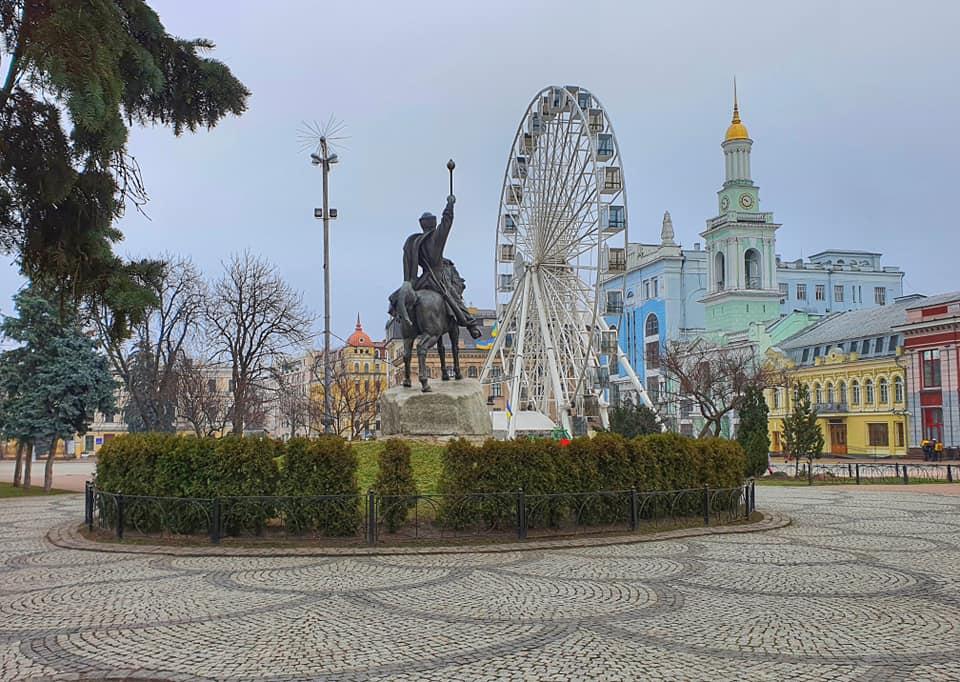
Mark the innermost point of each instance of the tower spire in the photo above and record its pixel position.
(359, 327)
(736, 105)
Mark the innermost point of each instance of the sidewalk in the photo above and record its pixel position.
(67, 474)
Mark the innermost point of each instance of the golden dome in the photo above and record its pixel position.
(736, 131)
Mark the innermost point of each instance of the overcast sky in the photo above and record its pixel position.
(852, 106)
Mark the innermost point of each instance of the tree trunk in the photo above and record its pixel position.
(48, 466)
(18, 465)
(27, 464)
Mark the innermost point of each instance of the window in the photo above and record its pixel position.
(776, 398)
(884, 391)
(472, 372)
(878, 346)
(820, 292)
(854, 393)
(805, 355)
(838, 293)
(931, 368)
(868, 390)
(830, 394)
(818, 394)
(366, 368)
(842, 392)
(88, 443)
(656, 287)
(230, 385)
(866, 346)
(646, 289)
(880, 295)
(784, 290)
(653, 388)
(816, 351)
(686, 430)
(892, 346)
(211, 385)
(652, 326)
(751, 266)
(898, 390)
(719, 271)
(356, 367)
(878, 434)
(652, 354)
(801, 292)
(496, 390)
(686, 407)
(899, 432)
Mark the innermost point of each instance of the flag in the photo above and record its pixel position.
(487, 344)
(509, 410)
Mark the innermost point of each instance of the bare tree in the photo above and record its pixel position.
(252, 317)
(200, 401)
(716, 377)
(147, 363)
(355, 396)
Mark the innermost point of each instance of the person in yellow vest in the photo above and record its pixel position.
(937, 450)
(927, 450)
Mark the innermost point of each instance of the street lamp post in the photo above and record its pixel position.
(325, 159)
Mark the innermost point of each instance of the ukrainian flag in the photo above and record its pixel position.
(487, 344)
(509, 410)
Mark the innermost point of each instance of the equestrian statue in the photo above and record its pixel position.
(429, 303)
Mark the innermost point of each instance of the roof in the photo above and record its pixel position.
(852, 252)
(359, 338)
(928, 301)
(853, 324)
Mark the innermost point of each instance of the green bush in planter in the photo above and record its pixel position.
(394, 483)
(324, 466)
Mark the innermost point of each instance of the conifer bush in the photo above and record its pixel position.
(324, 469)
(395, 484)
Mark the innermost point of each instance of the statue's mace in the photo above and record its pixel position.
(450, 166)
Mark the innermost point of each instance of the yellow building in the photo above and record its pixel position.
(852, 365)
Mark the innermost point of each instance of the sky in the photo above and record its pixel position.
(852, 107)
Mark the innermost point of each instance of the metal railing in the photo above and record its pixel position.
(865, 473)
(390, 519)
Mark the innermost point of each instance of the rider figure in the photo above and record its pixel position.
(425, 251)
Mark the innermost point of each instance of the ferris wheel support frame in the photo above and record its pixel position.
(515, 385)
(563, 411)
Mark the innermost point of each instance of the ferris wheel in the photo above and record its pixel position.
(560, 263)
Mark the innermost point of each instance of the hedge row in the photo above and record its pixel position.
(606, 462)
(236, 470)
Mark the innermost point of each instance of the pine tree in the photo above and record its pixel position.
(752, 433)
(801, 433)
(630, 420)
(53, 382)
(75, 77)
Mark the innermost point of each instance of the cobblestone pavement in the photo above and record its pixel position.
(862, 587)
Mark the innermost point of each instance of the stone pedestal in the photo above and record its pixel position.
(452, 408)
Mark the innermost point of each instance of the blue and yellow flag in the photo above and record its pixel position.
(509, 410)
(487, 344)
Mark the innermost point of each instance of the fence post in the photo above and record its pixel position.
(905, 479)
(858, 473)
(88, 505)
(371, 517)
(706, 506)
(634, 521)
(119, 516)
(753, 495)
(949, 474)
(521, 515)
(849, 470)
(896, 469)
(215, 522)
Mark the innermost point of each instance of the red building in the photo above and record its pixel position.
(932, 354)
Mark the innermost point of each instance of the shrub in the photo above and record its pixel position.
(550, 474)
(395, 484)
(324, 469)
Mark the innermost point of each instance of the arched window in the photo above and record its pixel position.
(830, 395)
(366, 367)
(868, 390)
(818, 394)
(652, 326)
(842, 392)
(720, 271)
(855, 392)
(776, 398)
(884, 391)
(898, 390)
(751, 266)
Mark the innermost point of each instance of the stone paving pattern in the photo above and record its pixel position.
(863, 586)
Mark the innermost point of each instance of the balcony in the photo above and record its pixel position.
(831, 408)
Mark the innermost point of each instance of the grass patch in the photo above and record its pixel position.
(7, 490)
(425, 459)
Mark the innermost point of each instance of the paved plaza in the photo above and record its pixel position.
(865, 585)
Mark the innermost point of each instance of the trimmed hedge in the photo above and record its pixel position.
(324, 467)
(606, 462)
(395, 482)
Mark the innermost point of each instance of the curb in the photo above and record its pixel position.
(68, 536)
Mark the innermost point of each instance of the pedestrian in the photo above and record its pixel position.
(937, 450)
(769, 464)
(925, 446)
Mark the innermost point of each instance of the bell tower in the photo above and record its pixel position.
(740, 243)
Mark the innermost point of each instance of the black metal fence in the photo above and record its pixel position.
(395, 519)
(866, 473)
